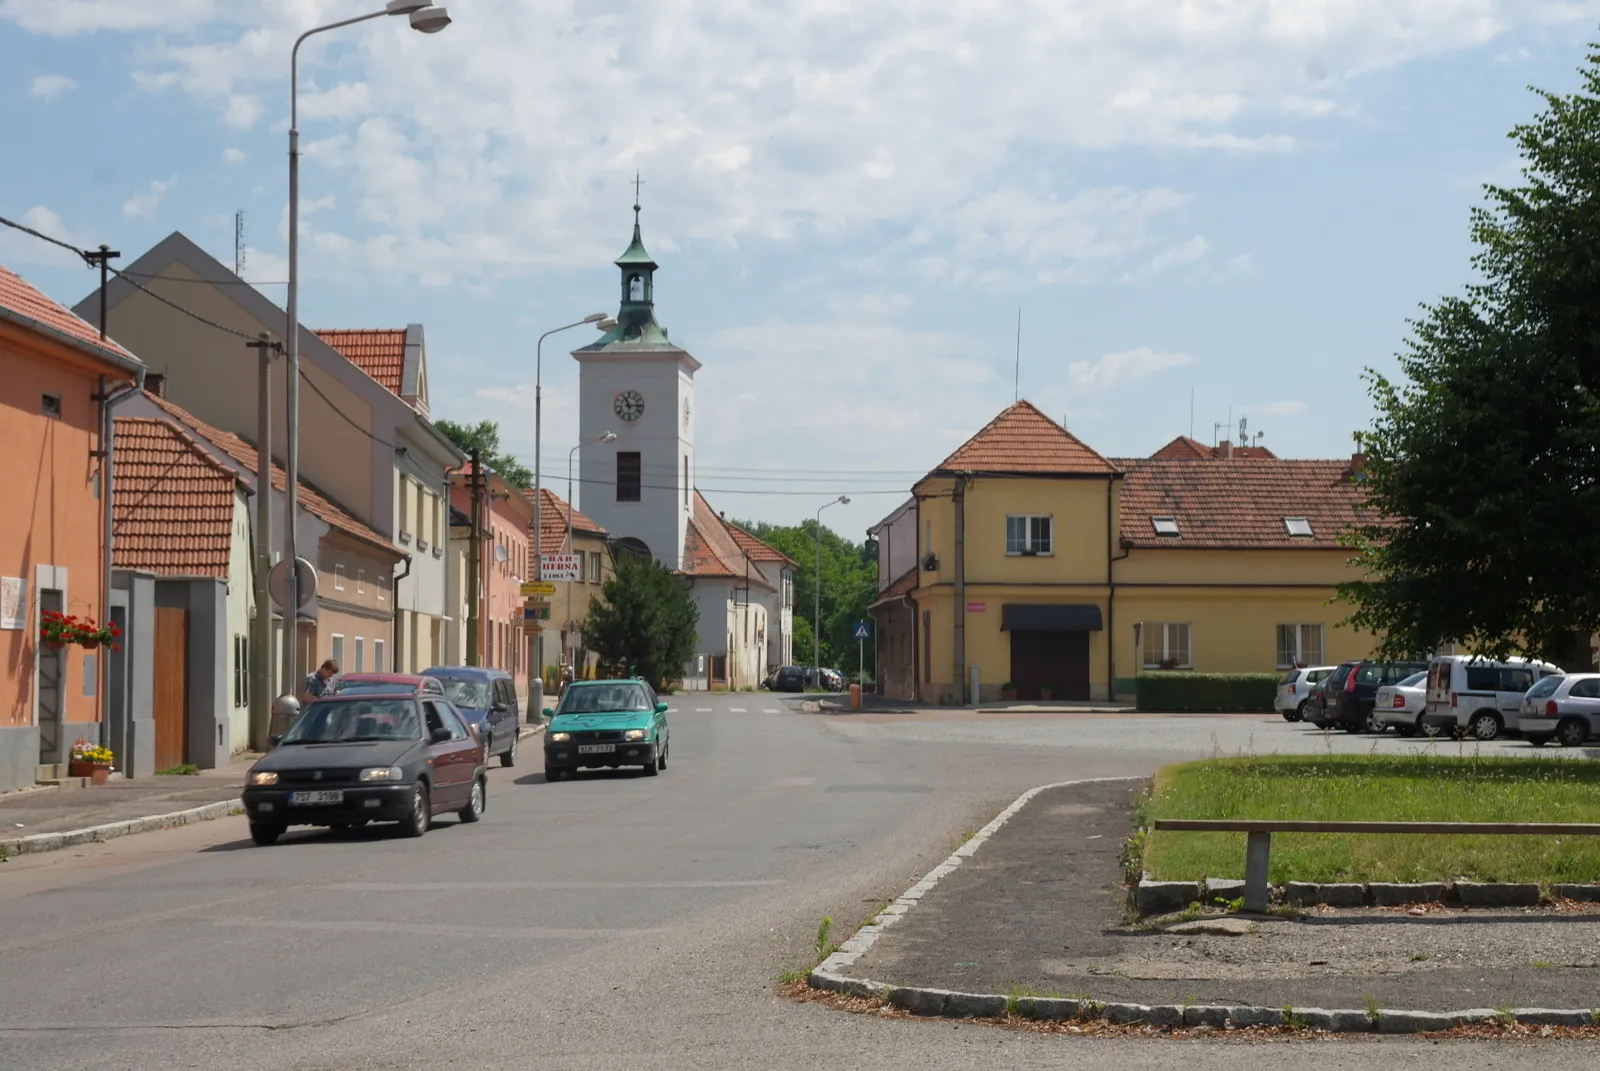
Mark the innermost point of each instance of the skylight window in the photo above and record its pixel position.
(1298, 526)
(1165, 526)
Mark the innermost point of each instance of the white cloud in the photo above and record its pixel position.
(1188, 252)
(929, 126)
(144, 204)
(231, 155)
(51, 86)
(1121, 369)
(1277, 408)
(17, 248)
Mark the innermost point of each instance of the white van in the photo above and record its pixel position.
(1469, 694)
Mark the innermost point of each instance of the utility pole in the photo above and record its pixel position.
(103, 257)
(475, 562)
(960, 503)
(261, 629)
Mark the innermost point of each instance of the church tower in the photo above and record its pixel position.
(636, 384)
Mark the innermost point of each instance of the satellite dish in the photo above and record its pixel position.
(500, 554)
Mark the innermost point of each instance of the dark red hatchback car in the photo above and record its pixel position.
(385, 684)
(352, 759)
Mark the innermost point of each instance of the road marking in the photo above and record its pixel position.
(544, 886)
(548, 933)
(769, 710)
(672, 710)
(702, 710)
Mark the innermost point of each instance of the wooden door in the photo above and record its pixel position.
(171, 686)
(1055, 660)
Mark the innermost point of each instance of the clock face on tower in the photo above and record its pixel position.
(629, 405)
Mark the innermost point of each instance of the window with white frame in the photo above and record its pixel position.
(405, 509)
(241, 671)
(596, 563)
(338, 578)
(336, 651)
(1299, 645)
(1298, 526)
(1028, 535)
(361, 654)
(1166, 645)
(361, 581)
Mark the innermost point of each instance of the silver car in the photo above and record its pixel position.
(1401, 703)
(1297, 688)
(1566, 709)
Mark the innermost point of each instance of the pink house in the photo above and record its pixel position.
(506, 519)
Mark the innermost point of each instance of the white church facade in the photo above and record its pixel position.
(634, 383)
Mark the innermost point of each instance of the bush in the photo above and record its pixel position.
(1206, 692)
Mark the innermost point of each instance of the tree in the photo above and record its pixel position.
(849, 581)
(643, 621)
(1484, 463)
(485, 436)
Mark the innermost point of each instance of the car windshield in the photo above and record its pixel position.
(604, 698)
(1383, 673)
(344, 722)
(373, 688)
(1546, 686)
(1317, 676)
(1416, 680)
(464, 693)
(1290, 677)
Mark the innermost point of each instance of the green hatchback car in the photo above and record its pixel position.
(606, 724)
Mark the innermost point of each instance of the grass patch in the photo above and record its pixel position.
(184, 769)
(1416, 787)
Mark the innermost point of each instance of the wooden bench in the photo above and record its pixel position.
(1258, 843)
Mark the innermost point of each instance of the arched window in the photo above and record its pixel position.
(635, 288)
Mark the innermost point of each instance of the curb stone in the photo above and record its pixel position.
(1393, 894)
(1496, 894)
(52, 842)
(1589, 893)
(933, 1002)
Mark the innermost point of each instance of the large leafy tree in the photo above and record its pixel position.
(1485, 457)
(643, 622)
(849, 580)
(485, 437)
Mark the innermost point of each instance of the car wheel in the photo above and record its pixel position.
(476, 802)
(663, 760)
(1374, 724)
(1572, 732)
(1538, 739)
(1484, 725)
(265, 835)
(1298, 713)
(421, 816)
(653, 767)
(508, 757)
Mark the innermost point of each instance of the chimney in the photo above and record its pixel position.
(1225, 449)
(156, 383)
(1358, 461)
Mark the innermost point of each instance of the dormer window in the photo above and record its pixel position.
(1165, 526)
(1299, 527)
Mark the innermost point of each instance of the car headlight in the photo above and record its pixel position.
(560, 738)
(265, 777)
(381, 773)
(635, 734)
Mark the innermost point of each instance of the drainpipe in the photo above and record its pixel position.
(108, 435)
(394, 605)
(1111, 592)
(960, 500)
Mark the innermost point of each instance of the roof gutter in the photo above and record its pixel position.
(394, 612)
(108, 430)
(131, 365)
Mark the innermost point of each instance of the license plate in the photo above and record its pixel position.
(320, 796)
(596, 749)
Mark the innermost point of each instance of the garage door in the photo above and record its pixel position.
(1055, 660)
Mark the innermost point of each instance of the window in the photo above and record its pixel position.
(381, 583)
(1299, 645)
(377, 656)
(338, 578)
(629, 476)
(1166, 646)
(1165, 526)
(595, 565)
(405, 510)
(1298, 526)
(50, 406)
(1027, 535)
(361, 654)
(361, 581)
(241, 671)
(1584, 689)
(336, 651)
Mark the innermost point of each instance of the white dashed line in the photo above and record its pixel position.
(702, 710)
(737, 710)
(769, 710)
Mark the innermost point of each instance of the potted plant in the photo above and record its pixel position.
(91, 635)
(1008, 692)
(56, 630)
(91, 761)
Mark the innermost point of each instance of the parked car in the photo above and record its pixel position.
(385, 684)
(1400, 704)
(1295, 690)
(1352, 690)
(606, 723)
(352, 759)
(1480, 696)
(787, 679)
(487, 700)
(1566, 709)
(831, 680)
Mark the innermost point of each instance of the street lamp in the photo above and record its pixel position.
(425, 17)
(608, 437)
(816, 593)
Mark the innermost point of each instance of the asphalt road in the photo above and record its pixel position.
(608, 922)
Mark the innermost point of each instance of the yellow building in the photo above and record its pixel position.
(1026, 558)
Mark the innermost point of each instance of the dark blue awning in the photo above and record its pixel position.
(1050, 617)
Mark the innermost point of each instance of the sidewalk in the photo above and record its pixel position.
(1038, 909)
(48, 810)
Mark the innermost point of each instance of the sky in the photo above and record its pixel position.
(1205, 210)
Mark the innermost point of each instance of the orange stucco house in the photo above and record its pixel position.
(55, 376)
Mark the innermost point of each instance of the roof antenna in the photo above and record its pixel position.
(238, 243)
(1016, 381)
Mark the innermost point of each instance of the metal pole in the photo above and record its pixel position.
(475, 562)
(816, 594)
(261, 628)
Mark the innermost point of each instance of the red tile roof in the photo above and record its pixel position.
(710, 549)
(379, 352)
(1023, 440)
(19, 297)
(173, 508)
(748, 544)
(553, 523)
(899, 589)
(310, 499)
(1240, 503)
(1183, 448)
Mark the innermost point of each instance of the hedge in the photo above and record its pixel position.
(1206, 692)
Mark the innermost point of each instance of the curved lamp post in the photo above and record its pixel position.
(425, 17)
(816, 593)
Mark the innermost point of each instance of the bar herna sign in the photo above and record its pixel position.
(561, 567)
